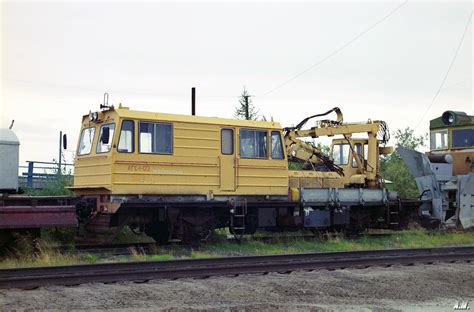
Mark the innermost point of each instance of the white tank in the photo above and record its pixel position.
(9, 160)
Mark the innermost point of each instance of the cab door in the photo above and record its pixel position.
(227, 160)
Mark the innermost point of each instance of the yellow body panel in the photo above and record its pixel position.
(195, 167)
(314, 179)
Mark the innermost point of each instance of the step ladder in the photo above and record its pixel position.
(237, 218)
(393, 216)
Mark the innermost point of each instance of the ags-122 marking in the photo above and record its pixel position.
(139, 168)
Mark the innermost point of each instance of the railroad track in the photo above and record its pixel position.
(173, 269)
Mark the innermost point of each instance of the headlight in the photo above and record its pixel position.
(448, 118)
(93, 116)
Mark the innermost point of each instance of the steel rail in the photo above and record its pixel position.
(144, 271)
(235, 260)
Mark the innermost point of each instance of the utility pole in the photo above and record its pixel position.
(60, 151)
(193, 101)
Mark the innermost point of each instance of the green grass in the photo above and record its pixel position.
(221, 247)
(45, 254)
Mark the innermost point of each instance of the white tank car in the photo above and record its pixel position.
(9, 160)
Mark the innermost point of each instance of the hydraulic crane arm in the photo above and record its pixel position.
(306, 152)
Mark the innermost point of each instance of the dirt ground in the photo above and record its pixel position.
(407, 288)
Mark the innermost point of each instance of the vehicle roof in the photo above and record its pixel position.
(124, 112)
(8, 137)
(461, 120)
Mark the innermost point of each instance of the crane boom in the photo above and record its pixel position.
(302, 151)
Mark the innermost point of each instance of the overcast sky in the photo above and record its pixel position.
(59, 58)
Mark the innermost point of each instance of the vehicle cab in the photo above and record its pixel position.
(453, 134)
(357, 159)
(128, 152)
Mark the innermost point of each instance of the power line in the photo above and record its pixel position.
(337, 50)
(447, 72)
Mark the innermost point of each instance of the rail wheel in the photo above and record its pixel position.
(159, 231)
(6, 238)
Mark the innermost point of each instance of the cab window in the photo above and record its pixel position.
(253, 144)
(358, 151)
(126, 140)
(87, 137)
(340, 154)
(439, 140)
(227, 141)
(103, 146)
(155, 138)
(277, 148)
(463, 138)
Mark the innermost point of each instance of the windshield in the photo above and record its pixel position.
(87, 137)
(104, 147)
(340, 154)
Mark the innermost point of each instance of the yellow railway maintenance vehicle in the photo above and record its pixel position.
(181, 177)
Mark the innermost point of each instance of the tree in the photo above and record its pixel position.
(246, 109)
(322, 148)
(393, 168)
(406, 138)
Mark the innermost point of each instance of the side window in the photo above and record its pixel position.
(463, 137)
(104, 147)
(127, 137)
(253, 144)
(366, 155)
(340, 154)
(155, 138)
(227, 141)
(358, 151)
(87, 137)
(277, 148)
(439, 140)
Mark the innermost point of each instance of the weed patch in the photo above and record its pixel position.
(45, 253)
